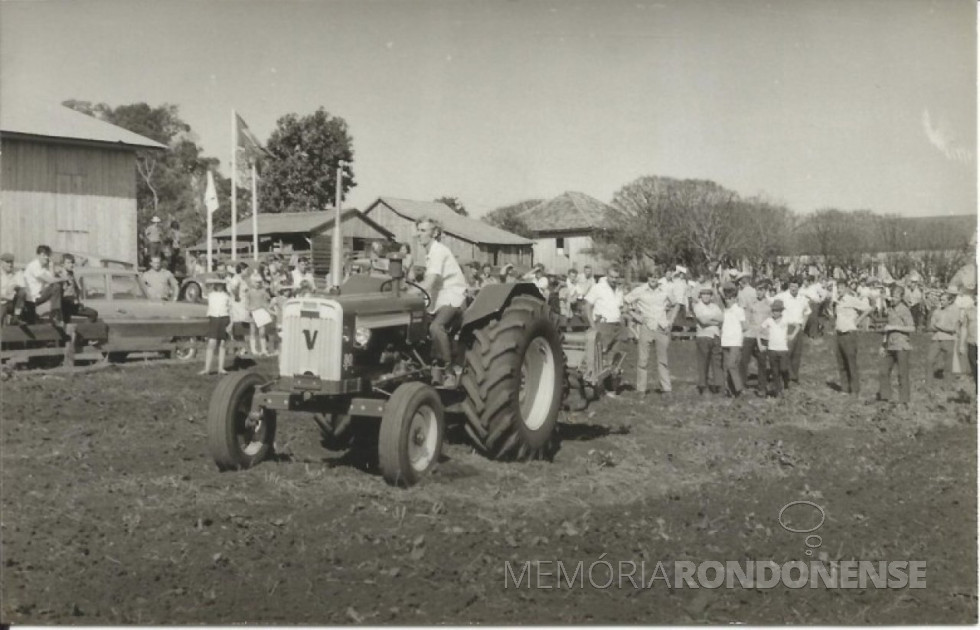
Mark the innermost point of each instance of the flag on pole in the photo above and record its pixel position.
(211, 195)
(247, 142)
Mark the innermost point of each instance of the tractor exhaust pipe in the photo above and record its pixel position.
(396, 271)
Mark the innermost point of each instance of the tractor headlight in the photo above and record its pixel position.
(361, 337)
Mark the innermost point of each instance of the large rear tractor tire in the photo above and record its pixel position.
(239, 436)
(514, 382)
(412, 429)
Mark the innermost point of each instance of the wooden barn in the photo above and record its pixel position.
(563, 230)
(469, 239)
(310, 233)
(69, 181)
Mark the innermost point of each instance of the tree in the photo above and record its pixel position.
(169, 183)
(508, 217)
(300, 173)
(454, 204)
(842, 239)
(769, 229)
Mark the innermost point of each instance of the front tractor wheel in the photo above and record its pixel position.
(514, 382)
(412, 427)
(240, 434)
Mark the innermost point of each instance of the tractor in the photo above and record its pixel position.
(358, 357)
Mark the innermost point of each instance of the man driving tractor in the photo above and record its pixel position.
(446, 286)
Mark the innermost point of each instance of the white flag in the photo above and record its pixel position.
(211, 195)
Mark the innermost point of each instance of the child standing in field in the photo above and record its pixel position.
(731, 339)
(219, 326)
(258, 308)
(778, 331)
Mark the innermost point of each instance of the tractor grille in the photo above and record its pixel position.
(311, 339)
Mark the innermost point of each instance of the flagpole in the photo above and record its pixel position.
(234, 186)
(255, 215)
(210, 233)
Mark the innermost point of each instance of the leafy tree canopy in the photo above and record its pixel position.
(300, 173)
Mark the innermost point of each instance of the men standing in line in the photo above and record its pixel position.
(604, 310)
(42, 286)
(12, 292)
(756, 341)
(796, 313)
(446, 286)
(709, 318)
(896, 347)
(654, 308)
(159, 282)
(71, 299)
(154, 238)
(944, 323)
(851, 312)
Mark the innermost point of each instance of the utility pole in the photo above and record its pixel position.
(336, 258)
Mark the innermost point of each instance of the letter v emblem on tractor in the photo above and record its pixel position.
(310, 340)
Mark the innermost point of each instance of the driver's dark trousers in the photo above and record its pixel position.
(444, 322)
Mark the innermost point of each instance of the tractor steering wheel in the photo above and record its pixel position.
(425, 294)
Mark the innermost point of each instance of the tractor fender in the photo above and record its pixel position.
(491, 300)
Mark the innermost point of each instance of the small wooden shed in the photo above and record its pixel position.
(68, 181)
(307, 232)
(564, 228)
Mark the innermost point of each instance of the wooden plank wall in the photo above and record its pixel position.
(574, 254)
(72, 198)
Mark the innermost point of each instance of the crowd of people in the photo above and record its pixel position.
(739, 320)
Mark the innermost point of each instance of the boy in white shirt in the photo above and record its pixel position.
(219, 326)
(781, 334)
(731, 339)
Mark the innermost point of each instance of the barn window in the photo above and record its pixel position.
(560, 245)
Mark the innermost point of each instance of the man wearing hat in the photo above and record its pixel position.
(11, 291)
(154, 238)
(707, 339)
(756, 342)
(780, 334)
(944, 323)
(680, 292)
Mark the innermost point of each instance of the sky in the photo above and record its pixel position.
(854, 104)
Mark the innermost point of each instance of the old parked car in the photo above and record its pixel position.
(137, 323)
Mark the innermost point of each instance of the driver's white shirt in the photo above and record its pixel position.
(451, 289)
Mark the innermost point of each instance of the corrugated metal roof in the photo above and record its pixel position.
(568, 211)
(58, 121)
(294, 223)
(469, 229)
